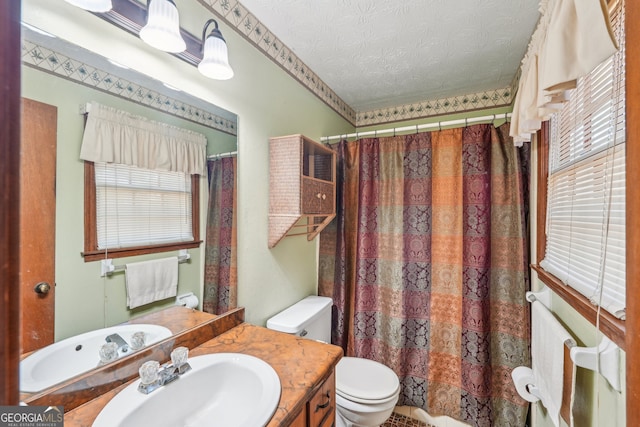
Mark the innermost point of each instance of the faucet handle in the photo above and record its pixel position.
(179, 357)
(108, 352)
(138, 340)
(149, 372)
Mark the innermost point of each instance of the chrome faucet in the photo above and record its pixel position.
(153, 375)
(123, 347)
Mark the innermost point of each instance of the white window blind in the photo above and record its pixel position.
(586, 188)
(140, 207)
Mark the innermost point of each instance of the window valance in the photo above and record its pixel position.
(114, 136)
(571, 39)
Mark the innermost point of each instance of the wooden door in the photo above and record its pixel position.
(37, 223)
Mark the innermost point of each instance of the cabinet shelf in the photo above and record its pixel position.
(302, 177)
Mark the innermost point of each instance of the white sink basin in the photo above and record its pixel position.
(75, 355)
(222, 390)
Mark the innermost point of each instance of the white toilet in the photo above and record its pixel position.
(366, 391)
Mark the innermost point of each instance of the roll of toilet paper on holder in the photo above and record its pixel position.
(523, 380)
(187, 300)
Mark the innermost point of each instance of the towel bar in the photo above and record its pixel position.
(607, 352)
(107, 268)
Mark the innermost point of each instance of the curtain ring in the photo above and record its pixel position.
(465, 122)
(493, 121)
(506, 119)
(416, 129)
(440, 126)
(375, 133)
(394, 132)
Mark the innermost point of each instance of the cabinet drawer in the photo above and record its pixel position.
(317, 197)
(322, 406)
(301, 419)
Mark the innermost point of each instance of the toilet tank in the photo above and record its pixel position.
(309, 318)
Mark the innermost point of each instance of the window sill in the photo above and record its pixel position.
(611, 326)
(140, 250)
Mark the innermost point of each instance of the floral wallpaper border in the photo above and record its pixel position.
(247, 25)
(61, 65)
(456, 104)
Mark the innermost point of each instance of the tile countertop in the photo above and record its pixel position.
(301, 364)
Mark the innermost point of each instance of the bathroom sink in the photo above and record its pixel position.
(221, 390)
(78, 354)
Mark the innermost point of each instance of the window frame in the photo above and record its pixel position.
(611, 326)
(91, 251)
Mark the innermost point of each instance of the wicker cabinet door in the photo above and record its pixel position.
(317, 197)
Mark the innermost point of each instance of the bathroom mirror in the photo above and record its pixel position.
(67, 76)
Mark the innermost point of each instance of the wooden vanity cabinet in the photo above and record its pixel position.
(302, 187)
(320, 410)
(322, 406)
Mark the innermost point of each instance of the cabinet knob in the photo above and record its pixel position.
(319, 195)
(324, 196)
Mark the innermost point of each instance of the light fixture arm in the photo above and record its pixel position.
(215, 58)
(215, 32)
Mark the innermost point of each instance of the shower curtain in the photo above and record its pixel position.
(426, 262)
(220, 269)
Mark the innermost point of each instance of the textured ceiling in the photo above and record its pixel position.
(380, 54)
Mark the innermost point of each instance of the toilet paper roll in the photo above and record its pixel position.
(522, 377)
(191, 301)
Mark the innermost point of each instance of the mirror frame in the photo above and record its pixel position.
(10, 66)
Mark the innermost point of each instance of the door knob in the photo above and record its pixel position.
(42, 288)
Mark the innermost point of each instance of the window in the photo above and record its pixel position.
(131, 211)
(584, 169)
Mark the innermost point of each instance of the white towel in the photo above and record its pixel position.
(548, 339)
(150, 281)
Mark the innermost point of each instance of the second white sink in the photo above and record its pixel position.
(78, 354)
(223, 389)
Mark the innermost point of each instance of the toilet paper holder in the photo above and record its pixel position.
(604, 359)
(187, 300)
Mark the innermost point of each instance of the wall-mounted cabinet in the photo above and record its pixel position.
(302, 187)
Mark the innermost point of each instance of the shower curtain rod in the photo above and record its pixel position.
(417, 128)
(221, 155)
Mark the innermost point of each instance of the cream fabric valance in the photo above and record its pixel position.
(571, 39)
(115, 136)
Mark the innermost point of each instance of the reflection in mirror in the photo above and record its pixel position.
(66, 76)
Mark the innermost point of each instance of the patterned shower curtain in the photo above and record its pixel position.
(220, 269)
(427, 265)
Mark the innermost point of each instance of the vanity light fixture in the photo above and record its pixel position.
(92, 5)
(215, 58)
(162, 30)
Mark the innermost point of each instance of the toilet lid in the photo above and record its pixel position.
(363, 379)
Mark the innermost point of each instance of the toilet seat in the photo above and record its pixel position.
(366, 381)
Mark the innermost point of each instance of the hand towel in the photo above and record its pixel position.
(150, 281)
(548, 339)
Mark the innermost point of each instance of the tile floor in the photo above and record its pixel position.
(397, 420)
